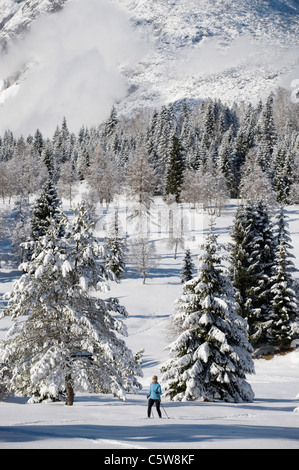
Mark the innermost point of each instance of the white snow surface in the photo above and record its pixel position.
(103, 422)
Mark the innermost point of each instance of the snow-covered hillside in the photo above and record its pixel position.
(197, 49)
(16, 16)
(232, 50)
(101, 421)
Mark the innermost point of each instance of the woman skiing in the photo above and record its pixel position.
(154, 396)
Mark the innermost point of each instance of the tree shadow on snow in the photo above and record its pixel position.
(169, 433)
(10, 276)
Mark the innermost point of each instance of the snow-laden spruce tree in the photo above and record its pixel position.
(174, 169)
(115, 245)
(46, 208)
(65, 337)
(251, 263)
(211, 356)
(188, 267)
(284, 300)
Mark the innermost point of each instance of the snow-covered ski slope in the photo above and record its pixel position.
(103, 422)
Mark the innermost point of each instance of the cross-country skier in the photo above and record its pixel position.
(154, 397)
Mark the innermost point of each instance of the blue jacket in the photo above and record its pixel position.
(155, 391)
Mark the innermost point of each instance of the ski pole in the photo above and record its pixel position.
(164, 410)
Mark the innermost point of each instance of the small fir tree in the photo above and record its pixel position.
(47, 207)
(111, 123)
(188, 267)
(211, 355)
(115, 249)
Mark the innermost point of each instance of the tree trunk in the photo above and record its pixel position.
(175, 248)
(70, 395)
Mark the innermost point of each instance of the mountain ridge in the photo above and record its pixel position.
(232, 50)
(267, 31)
(16, 16)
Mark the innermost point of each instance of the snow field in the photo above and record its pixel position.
(101, 421)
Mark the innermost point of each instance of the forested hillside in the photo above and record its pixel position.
(198, 152)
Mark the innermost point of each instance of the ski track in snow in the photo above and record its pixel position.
(151, 327)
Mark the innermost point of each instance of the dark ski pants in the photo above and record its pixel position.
(151, 402)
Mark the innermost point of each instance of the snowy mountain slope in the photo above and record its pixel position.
(182, 23)
(232, 50)
(16, 16)
(224, 49)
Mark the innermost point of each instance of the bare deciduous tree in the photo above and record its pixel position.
(205, 187)
(141, 180)
(144, 256)
(103, 175)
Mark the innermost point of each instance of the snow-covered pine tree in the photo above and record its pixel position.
(111, 123)
(225, 159)
(240, 258)
(209, 124)
(251, 263)
(243, 142)
(47, 157)
(187, 272)
(283, 170)
(211, 355)
(83, 154)
(38, 142)
(116, 248)
(174, 169)
(284, 299)
(63, 143)
(267, 135)
(262, 264)
(47, 207)
(162, 129)
(189, 137)
(68, 338)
